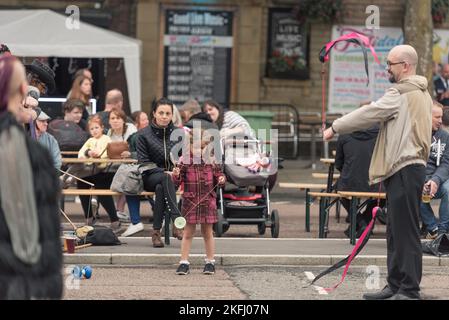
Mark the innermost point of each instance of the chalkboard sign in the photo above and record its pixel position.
(197, 55)
(287, 46)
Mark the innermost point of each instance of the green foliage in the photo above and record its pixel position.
(324, 10)
(440, 8)
(282, 63)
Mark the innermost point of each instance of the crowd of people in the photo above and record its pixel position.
(147, 139)
(397, 143)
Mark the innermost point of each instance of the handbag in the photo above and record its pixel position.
(115, 148)
(128, 178)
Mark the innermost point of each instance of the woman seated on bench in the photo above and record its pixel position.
(153, 147)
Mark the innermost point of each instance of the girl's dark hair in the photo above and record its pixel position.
(220, 109)
(135, 116)
(160, 102)
(121, 114)
(76, 90)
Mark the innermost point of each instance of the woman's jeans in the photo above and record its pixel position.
(427, 215)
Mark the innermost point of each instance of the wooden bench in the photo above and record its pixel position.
(307, 187)
(325, 205)
(356, 206)
(319, 175)
(98, 192)
(107, 192)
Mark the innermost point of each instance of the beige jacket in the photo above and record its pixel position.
(405, 117)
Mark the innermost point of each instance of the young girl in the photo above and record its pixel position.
(95, 147)
(199, 205)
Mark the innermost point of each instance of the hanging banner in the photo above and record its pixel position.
(347, 76)
(197, 55)
(287, 46)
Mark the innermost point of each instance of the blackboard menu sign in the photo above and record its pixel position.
(197, 55)
(287, 46)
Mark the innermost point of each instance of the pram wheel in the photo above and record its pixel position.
(221, 226)
(274, 223)
(261, 227)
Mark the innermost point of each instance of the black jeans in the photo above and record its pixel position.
(404, 253)
(101, 180)
(163, 187)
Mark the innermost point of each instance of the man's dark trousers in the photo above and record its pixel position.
(404, 253)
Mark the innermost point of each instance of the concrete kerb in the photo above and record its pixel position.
(132, 259)
(87, 258)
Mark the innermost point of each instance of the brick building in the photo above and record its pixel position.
(248, 77)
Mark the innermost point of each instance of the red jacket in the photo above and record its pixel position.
(200, 180)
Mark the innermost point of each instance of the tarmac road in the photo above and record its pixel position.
(240, 283)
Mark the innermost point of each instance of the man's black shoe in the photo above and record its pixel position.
(385, 293)
(400, 296)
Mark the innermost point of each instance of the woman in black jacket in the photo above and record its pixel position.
(30, 250)
(153, 149)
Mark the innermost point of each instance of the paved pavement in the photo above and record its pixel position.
(249, 265)
(232, 283)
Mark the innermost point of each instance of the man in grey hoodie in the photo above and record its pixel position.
(399, 159)
(437, 174)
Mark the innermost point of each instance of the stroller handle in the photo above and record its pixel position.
(226, 141)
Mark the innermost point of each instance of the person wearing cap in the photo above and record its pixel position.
(47, 140)
(4, 50)
(41, 79)
(41, 76)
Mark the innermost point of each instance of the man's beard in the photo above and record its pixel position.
(391, 78)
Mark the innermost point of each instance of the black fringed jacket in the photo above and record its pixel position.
(42, 280)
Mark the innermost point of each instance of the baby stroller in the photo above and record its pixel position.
(245, 199)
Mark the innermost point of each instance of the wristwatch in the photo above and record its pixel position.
(333, 130)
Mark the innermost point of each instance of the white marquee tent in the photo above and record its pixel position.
(43, 33)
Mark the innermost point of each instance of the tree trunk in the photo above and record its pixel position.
(418, 31)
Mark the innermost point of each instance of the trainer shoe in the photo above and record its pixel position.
(183, 269)
(132, 229)
(432, 234)
(116, 226)
(123, 216)
(94, 206)
(209, 268)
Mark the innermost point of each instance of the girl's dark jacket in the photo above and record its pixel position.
(352, 159)
(154, 146)
(42, 280)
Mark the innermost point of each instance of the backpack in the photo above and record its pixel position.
(69, 135)
(438, 247)
(102, 236)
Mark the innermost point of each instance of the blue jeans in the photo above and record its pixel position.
(427, 215)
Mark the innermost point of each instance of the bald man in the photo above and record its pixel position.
(441, 85)
(114, 100)
(399, 159)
